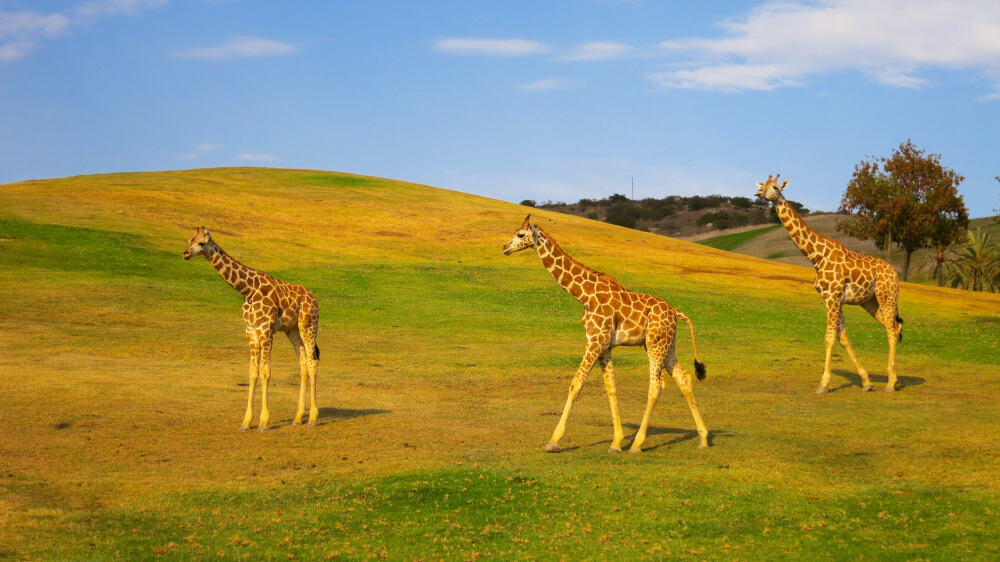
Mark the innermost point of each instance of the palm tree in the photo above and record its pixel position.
(977, 265)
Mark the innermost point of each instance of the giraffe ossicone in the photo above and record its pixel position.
(269, 306)
(615, 316)
(843, 276)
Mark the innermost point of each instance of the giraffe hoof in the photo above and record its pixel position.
(312, 424)
(866, 388)
(890, 388)
(614, 450)
(702, 446)
(244, 428)
(263, 428)
(821, 390)
(551, 447)
(634, 451)
(296, 422)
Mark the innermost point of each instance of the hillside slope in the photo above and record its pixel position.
(444, 366)
(778, 246)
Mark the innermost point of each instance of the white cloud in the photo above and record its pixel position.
(256, 157)
(599, 50)
(20, 31)
(31, 24)
(783, 43)
(549, 84)
(239, 46)
(15, 50)
(200, 150)
(95, 8)
(494, 47)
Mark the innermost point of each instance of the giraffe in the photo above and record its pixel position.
(842, 277)
(613, 316)
(269, 306)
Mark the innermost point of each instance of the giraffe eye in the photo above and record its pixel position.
(201, 243)
(520, 235)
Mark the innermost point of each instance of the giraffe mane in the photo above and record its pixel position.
(586, 268)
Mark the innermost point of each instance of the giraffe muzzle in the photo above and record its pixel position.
(186, 255)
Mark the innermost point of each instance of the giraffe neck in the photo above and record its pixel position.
(567, 272)
(811, 243)
(233, 272)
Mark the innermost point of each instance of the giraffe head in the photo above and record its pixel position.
(770, 190)
(199, 244)
(525, 237)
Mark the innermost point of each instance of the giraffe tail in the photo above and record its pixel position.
(899, 320)
(699, 367)
(316, 352)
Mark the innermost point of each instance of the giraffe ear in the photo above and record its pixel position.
(782, 186)
(760, 185)
(526, 219)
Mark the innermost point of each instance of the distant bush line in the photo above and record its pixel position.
(716, 212)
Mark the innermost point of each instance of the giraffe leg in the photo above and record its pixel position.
(611, 389)
(254, 373)
(887, 317)
(893, 335)
(312, 365)
(595, 346)
(833, 312)
(866, 385)
(296, 340)
(265, 376)
(656, 350)
(683, 380)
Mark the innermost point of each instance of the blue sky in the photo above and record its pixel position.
(548, 100)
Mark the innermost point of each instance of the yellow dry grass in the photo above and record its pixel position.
(114, 389)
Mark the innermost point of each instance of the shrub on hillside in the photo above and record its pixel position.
(718, 219)
(623, 213)
(529, 203)
(656, 209)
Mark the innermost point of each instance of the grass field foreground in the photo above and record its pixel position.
(444, 367)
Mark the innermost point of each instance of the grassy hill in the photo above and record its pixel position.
(777, 245)
(444, 366)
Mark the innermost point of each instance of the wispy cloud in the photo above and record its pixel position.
(200, 150)
(599, 50)
(257, 157)
(783, 43)
(21, 31)
(95, 8)
(240, 46)
(549, 84)
(492, 47)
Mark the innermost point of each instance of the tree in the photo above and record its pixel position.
(977, 265)
(908, 199)
(529, 203)
(867, 201)
(938, 219)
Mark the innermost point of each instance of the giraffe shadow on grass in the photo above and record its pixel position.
(852, 379)
(330, 415)
(682, 435)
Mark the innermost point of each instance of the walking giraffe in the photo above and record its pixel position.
(613, 316)
(269, 306)
(842, 277)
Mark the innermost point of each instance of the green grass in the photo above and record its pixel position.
(444, 368)
(729, 242)
(471, 513)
